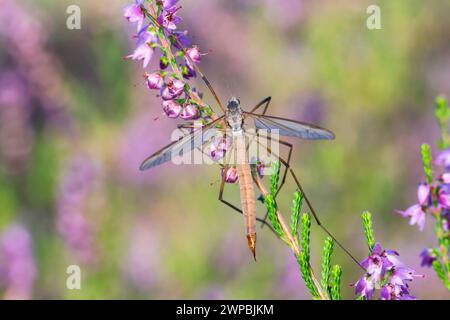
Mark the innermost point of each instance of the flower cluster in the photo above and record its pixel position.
(158, 32)
(387, 273)
(432, 198)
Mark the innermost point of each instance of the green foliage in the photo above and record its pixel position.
(440, 271)
(304, 256)
(368, 230)
(336, 275)
(426, 161)
(296, 208)
(326, 264)
(275, 178)
(272, 210)
(442, 114)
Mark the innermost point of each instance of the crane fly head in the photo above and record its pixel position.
(234, 114)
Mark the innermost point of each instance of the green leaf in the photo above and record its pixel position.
(275, 178)
(326, 264)
(336, 275)
(304, 256)
(426, 161)
(272, 211)
(296, 208)
(442, 114)
(368, 230)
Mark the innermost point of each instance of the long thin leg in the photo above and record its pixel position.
(311, 208)
(283, 179)
(222, 188)
(265, 102)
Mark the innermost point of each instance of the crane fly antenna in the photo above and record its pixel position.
(204, 78)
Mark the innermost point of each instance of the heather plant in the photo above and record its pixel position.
(383, 270)
(434, 198)
(157, 24)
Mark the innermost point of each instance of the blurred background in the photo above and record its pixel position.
(76, 122)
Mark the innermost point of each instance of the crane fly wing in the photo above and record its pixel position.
(292, 128)
(187, 143)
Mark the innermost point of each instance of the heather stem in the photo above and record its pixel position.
(442, 114)
(326, 264)
(368, 230)
(426, 160)
(289, 239)
(336, 274)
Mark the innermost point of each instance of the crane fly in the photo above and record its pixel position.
(234, 123)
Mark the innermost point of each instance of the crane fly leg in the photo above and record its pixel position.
(221, 199)
(264, 103)
(311, 208)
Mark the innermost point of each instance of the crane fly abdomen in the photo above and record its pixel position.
(247, 192)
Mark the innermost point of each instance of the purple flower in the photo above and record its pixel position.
(445, 177)
(169, 18)
(393, 292)
(144, 46)
(168, 4)
(385, 271)
(417, 215)
(231, 175)
(188, 72)
(190, 112)
(171, 108)
(194, 54)
(172, 89)
(365, 287)
(424, 194)
(154, 80)
(428, 257)
(219, 147)
(17, 269)
(143, 52)
(135, 13)
(182, 38)
(444, 196)
(443, 159)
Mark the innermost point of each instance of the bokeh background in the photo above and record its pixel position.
(76, 121)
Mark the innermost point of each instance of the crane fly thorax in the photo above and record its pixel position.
(233, 115)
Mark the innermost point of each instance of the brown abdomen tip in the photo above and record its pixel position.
(251, 241)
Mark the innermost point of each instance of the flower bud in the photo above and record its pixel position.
(171, 108)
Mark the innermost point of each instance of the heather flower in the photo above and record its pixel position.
(154, 80)
(365, 287)
(424, 194)
(417, 215)
(167, 4)
(393, 292)
(17, 267)
(194, 54)
(188, 72)
(384, 270)
(169, 18)
(143, 52)
(182, 38)
(428, 257)
(135, 13)
(444, 196)
(231, 175)
(171, 108)
(172, 89)
(443, 159)
(416, 212)
(190, 112)
(219, 147)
